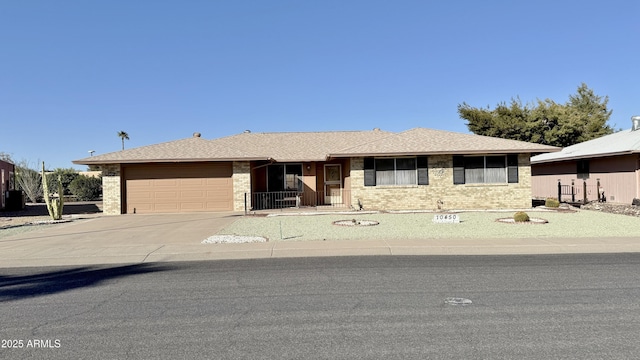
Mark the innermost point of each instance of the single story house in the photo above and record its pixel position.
(612, 161)
(416, 169)
(7, 171)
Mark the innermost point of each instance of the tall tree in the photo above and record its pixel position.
(590, 114)
(583, 117)
(124, 136)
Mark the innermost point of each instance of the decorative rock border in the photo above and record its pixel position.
(532, 221)
(233, 239)
(354, 222)
(562, 208)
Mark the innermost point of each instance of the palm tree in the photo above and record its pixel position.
(124, 136)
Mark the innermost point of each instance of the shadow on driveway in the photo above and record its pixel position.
(21, 286)
(70, 208)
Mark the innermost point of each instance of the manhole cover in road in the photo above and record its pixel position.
(457, 301)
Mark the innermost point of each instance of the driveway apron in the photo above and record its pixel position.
(111, 239)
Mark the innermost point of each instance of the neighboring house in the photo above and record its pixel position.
(612, 160)
(7, 171)
(378, 170)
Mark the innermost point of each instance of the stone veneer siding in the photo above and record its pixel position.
(111, 190)
(441, 188)
(241, 184)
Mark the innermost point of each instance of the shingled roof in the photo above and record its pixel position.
(184, 150)
(421, 141)
(301, 146)
(316, 146)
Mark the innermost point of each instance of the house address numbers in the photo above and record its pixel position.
(446, 218)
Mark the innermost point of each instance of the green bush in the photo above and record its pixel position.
(66, 175)
(86, 188)
(551, 202)
(521, 216)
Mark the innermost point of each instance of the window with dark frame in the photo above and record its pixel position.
(582, 170)
(284, 177)
(486, 169)
(396, 171)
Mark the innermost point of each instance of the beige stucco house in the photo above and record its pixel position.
(375, 170)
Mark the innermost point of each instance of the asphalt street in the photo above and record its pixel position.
(375, 307)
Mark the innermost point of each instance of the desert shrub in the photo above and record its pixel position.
(86, 188)
(521, 216)
(29, 181)
(66, 175)
(551, 202)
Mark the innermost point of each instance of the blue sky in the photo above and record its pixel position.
(74, 73)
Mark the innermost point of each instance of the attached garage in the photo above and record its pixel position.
(178, 187)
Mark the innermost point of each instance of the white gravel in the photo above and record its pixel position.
(420, 226)
(233, 239)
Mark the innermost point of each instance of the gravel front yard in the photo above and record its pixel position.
(602, 221)
(582, 223)
(36, 216)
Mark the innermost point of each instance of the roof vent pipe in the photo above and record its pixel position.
(635, 123)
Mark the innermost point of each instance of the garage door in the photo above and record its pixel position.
(157, 188)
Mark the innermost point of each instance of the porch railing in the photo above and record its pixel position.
(580, 191)
(294, 199)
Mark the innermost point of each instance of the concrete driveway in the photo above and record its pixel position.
(114, 239)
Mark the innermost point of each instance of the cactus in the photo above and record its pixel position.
(54, 205)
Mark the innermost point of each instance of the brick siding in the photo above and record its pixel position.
(111, 190)
(441, 191)
(241, 184)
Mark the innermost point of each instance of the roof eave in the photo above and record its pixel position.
(301, 160)
(457, 152)
(140, 161)
(586, 156)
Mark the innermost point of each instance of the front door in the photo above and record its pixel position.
(332, 184)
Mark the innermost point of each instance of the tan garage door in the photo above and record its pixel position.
(156, 188)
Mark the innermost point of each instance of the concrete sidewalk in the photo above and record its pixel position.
(178, 237)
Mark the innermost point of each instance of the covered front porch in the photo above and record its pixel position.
(300, 184)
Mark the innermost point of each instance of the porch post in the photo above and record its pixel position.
(573, 191)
